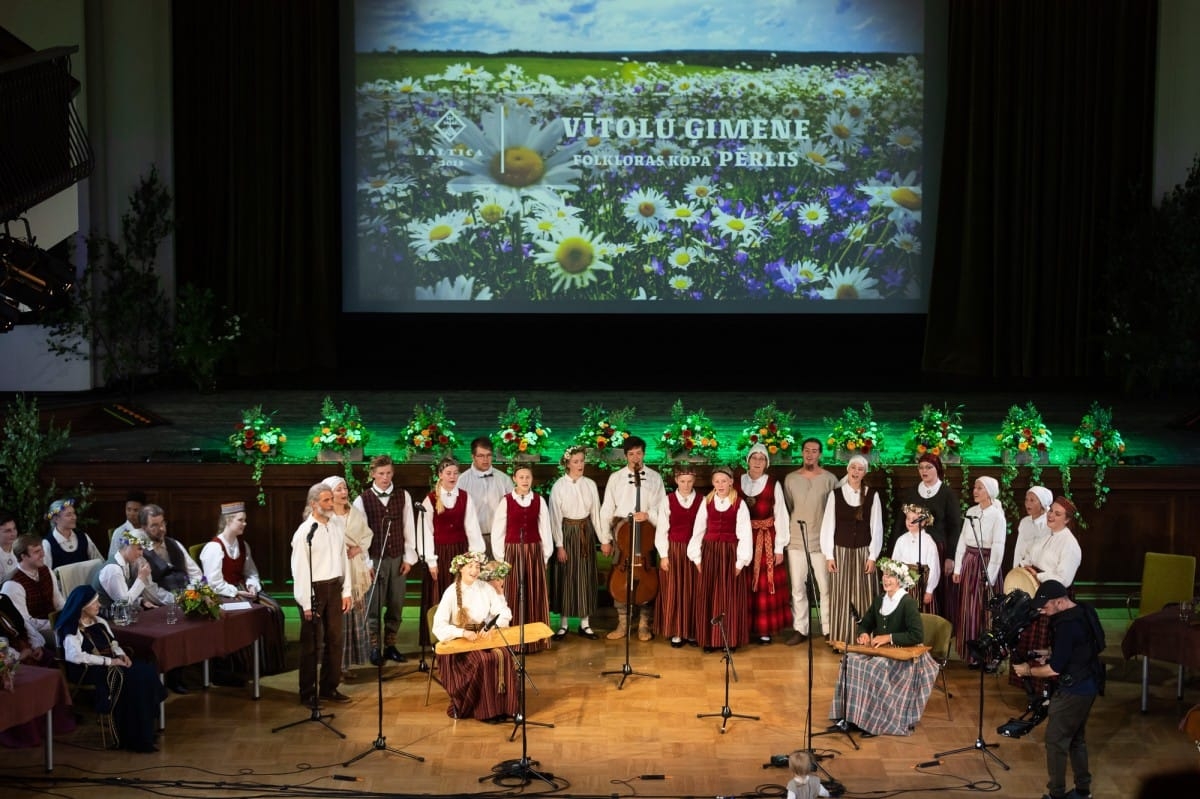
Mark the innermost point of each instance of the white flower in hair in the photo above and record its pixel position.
(898, 570)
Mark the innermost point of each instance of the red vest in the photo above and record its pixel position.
(232, 569)
(522, 522)
(762, 506)
(722, 524)
(683, 520)
(39, 594)
(449, 526)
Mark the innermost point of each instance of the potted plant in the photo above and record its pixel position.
(199, 600)
(1024, 438)
(603, 433)
(522, 437)
(938, 431)
(340, 435)
(429, 434)
(256, 441)
(855, 432)
(24, 448)
(772, 428)
(689, 437)
(1097, 443)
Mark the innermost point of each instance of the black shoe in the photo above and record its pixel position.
(334, 696)
(178, 688)
(795, 638)
(307, 701)
(144, 749)
(228, 681)
(376, 657)
(561, 634)
(866, 734)
(763, 640)
(587, 633)
(392, 653)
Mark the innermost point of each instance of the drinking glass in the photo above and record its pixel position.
(120, 613)
(172, 610)
(1185, 610)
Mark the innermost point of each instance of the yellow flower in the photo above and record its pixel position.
(851, 445)
(1024, 445)
(772, 449)
(936, 450)
(523, 445)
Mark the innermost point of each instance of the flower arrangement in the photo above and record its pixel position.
(1097, 442)
(10, 659)
(1023, 432)
(855, 432)
(429, 431)
(340, 429)
(256, 441)
(772, 428)
(603, 432)
(199, 600)
(938, 431)
(521, 436)
(689, 435)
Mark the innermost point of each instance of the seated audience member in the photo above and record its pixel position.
(170, 564)
(876, 694)
(129, 689)
(482, 683)
(127, 578)
(8, 535)
(65, 544)
(32, 588)
(232, 573)
(133, 506)
(30, 648)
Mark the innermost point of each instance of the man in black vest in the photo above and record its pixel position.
(170, 564)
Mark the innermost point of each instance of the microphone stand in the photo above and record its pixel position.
(380, 744)
(814, 600)
(317, 628)
(843, 723)
(726, 714)
(985, 595)
(422, 667)
(635, 547)
(523, 767)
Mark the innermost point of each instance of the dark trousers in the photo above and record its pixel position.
(1065, 741)
(321, 640)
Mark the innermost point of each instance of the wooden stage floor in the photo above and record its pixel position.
(220, 743)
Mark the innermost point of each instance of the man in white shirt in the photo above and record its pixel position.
(807, 490)
(32, 588)
(171, 565)
(638, 492)
(321, 586)
(133, 506)
(8, 534)
(485, 485)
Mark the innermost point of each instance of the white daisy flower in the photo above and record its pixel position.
(492, 207)
(572, 256)
(843, 131)
(683, 257)
(685, 212)
(680, 283)
(744, 228)
(645, 208)
(817, 155)
(852, 284)
(905, 138)
(463, 288)
(426, 235)
(699, 189)
(856, 231)
(906, 242)
(812, 214)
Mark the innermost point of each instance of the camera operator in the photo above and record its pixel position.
(1076, 641)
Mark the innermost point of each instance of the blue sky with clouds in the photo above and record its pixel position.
(640, 25)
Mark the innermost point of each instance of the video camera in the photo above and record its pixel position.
(1011, 614)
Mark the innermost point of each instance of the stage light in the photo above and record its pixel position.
(31, 277)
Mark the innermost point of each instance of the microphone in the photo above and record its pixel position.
(418, 507)
(717, 619)
(928, 764)
(490, 624)
(803, 526)
(854, 614)
(311, 530)
(924, 517)
(974, 516)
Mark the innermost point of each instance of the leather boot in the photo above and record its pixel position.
(644, 633)
(622, 624)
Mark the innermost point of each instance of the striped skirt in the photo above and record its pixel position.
(573, 584)
(849, 585)
(675, 611)
(482, 684)
(527, 564)
(721, 591)
(970, 622)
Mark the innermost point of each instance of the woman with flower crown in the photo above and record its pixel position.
(574, 520)
(482, 683)
(447, 527)
(878, 695)
(521, 533)
(851, 540)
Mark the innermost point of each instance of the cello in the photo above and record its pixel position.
(634, 576)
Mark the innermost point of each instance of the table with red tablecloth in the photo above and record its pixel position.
(1162, 636)
(36, 692)
(191, 640)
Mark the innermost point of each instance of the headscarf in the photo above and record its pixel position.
(760, 449)
(68, 619)
(935, 462)
(1044, 496)
(855, 459)
(333, 480)
(991, 486)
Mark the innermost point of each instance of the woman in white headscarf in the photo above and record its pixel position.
(851, 540)
(357, 534)
(980, 548)
(1032, 528)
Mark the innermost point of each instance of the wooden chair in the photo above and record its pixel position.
(80, 687)
(429, 614)
(194, 550)
(937, 637)
(72, 575)
(1165, 579)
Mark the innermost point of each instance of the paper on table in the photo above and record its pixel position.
(240, 605)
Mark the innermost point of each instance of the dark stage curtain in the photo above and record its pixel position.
(1048, 139)
(256, 171)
